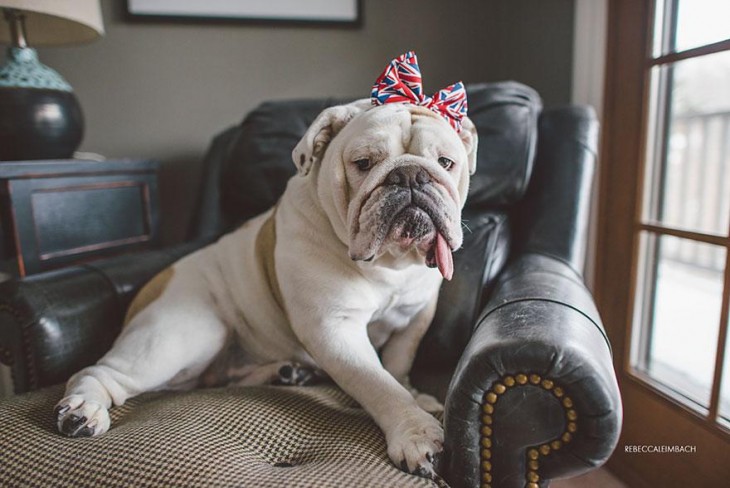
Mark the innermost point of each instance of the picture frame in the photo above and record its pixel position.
(336, 12)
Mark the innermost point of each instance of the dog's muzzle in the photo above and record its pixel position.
(419, 223)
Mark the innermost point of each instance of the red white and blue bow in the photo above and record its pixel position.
(401, 83)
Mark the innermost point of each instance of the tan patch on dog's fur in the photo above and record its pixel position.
(149, 293)
(265, 245)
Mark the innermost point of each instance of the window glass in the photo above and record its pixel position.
(689, 180)
(683, 285)
(702, 22)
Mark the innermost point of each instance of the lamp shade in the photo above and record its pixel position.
(51, 22)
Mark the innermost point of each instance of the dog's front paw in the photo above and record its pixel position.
(78, 418)
(415, 442)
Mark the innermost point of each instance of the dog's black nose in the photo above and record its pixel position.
(408, 176)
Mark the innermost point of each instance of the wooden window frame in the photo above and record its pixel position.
(650, 408)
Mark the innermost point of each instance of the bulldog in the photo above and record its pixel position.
(341, 276)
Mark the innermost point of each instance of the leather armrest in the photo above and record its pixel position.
(534, 396)
(53, 324)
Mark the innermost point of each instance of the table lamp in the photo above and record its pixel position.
(40, 117)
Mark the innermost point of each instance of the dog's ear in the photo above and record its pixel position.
(470, 139)
(325, 127)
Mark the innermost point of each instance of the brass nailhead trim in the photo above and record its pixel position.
(31, 375)
(489, 401)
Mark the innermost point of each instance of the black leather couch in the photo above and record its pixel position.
(517, 348)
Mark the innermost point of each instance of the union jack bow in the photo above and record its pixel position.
(401, 82)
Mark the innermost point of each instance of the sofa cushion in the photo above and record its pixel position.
(263, 437)
(257, 162)
(506, 116)
(483, 255)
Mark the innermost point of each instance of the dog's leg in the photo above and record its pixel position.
(342, 348)
(400, 350)
(169, 342)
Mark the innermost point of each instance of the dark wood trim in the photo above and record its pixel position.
(721, 342)
(716, 47)
(684, 234)
(684, 405)
(95, 247)
(620, 149)
(75, 167)
(140, 185)
(147, 203)
(92, 186)
(16, 234)
(34, 176)
(650, 418)
(23, 180)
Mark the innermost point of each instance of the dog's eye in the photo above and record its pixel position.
(446, 163)
(362, 164)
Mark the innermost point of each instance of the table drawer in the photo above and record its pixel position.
(56, 220)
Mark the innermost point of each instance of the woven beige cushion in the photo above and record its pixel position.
(243, 437)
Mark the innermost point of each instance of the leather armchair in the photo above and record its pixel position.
(517, 350)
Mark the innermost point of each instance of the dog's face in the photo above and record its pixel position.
(394, 178)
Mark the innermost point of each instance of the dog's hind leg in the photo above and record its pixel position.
(169, 342)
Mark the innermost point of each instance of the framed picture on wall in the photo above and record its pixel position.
(289, 11)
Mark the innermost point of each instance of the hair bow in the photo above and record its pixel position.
(401, 82)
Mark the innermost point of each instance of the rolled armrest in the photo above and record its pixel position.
(534, 396)
(53, 324)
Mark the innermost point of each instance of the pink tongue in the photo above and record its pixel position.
(444, 259)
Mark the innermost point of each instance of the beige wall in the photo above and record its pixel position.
(162, 89)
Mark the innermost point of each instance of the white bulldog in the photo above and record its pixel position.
(336, 277)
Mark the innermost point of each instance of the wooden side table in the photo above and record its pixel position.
(56, 213)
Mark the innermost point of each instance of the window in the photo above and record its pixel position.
(663, 257)
(681, 311)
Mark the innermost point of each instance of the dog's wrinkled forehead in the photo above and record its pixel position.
(360, 122)
(402, 126)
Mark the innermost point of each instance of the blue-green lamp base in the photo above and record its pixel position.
(40, 117)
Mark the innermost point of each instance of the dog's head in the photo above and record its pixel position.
(392, 178)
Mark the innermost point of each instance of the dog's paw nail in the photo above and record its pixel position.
(72, 425)
(416, 442)
(61, 409)
(78, 418)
